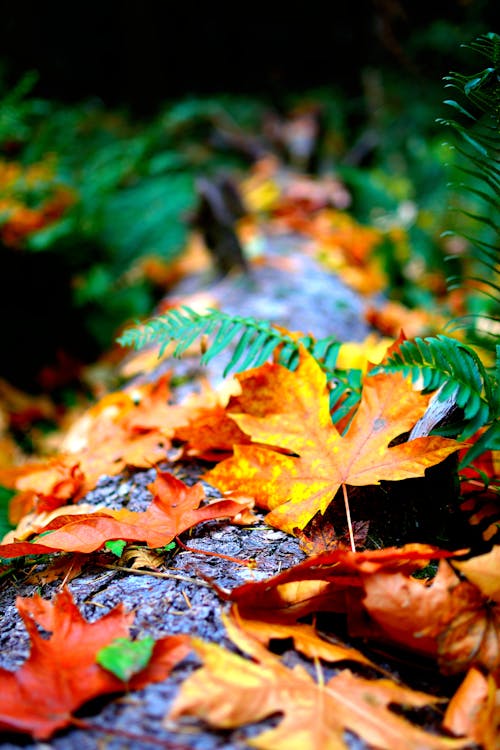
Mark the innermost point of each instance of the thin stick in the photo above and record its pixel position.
(348, 514)
(197, 551)
(138, 572)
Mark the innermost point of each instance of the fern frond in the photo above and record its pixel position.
(478, 149)
(254, 341)
(454, 369)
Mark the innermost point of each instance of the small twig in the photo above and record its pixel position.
(155, 574)
(348, 514)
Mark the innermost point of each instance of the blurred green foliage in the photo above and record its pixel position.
(93, 191)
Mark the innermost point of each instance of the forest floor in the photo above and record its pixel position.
(183, 591)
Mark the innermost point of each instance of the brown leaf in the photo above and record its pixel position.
(449, 618)
(327, 582)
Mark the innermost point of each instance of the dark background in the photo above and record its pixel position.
(138, 54)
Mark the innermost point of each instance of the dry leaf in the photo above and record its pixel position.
(484, 572)
(295, 487)
(448, 618)
(305, 638)
(175, 508)
(229, 691)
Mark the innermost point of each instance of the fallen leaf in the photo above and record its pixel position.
(474, 710)
(33, 523)
(134, 427)
(320, 536)
(211, 434)
(305, 638)
(65, 567)
(484, 572)
(448, 617)
(393, 316)
(355, 355)
(175, 508)
(42, 485)
(229, 691)
(295, 487)
(326, 583)
(61, 673)
(21, 549)
(124, 658)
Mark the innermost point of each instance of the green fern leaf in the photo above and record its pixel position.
(254, 340)
(452, 367)
(478, 153)
(251, 342)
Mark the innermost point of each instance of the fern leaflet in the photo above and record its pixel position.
(252, 343)
(254, 340)
(478, 147)
(445, 364)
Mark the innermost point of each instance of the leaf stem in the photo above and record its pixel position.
(348, 515)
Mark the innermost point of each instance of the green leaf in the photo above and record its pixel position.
(116, 546)
(124, 657)
(5, 497)
(167, 547)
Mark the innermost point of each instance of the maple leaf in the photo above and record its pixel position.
(175, 508)
(295, 487)
(474, 710)
(449, 618)
(305, 638)
(132, 427)
(42, 485)
(210, 435)
(484, 572)
(229, 691)
(61, 672)
(329, 582)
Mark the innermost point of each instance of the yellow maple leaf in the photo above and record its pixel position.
(295, 485)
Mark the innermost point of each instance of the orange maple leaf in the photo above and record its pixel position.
(229, 691)
(115, 433)
(305, 638)
(295, 487)
(61, 672)
(42, 485)
(211, 434)
(175, 508)
(329, 582)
